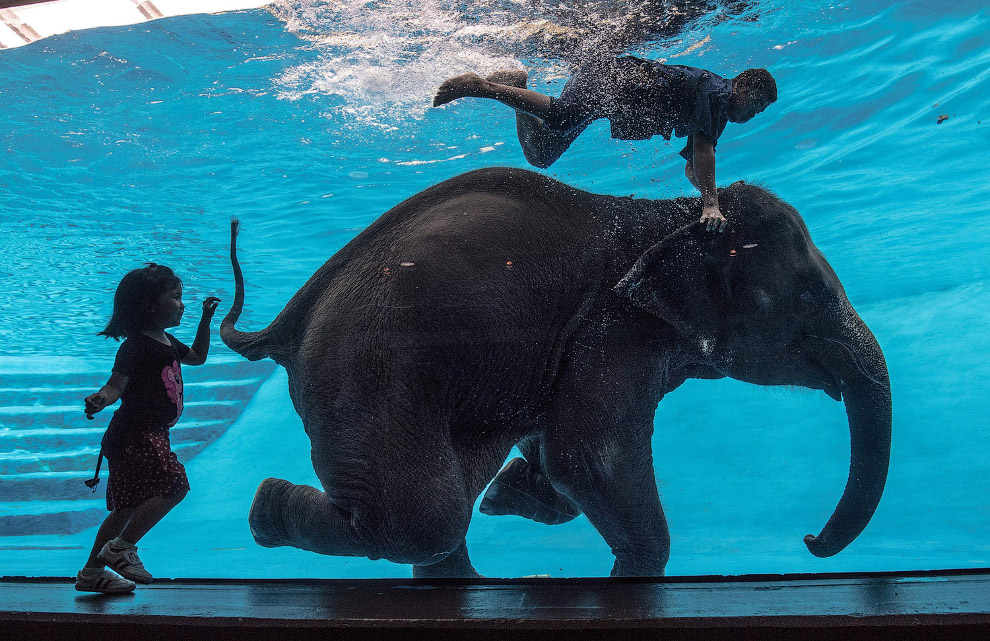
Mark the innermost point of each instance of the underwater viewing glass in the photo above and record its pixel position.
(570, 331)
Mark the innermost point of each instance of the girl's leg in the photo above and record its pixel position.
(147, 515)
(121, 553)
(112, 526)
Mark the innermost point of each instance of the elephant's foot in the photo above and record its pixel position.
(455, 565)
(263, 519)
(303, 517)
(651, 561)
(523, 491)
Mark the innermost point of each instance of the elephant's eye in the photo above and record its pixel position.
(807, 303)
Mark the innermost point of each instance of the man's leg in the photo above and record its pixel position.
(541, 144)
(471, 85)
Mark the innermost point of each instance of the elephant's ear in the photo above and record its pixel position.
(683, 279)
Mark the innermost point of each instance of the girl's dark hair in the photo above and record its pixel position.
(135, 298)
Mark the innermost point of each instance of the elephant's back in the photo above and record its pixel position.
(500, 236)
(494, 264)
(517, 200)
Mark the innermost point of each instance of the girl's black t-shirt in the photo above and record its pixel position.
(152, 399)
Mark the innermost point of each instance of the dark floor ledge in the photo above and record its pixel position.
(949, 604)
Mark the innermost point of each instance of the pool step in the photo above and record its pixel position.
(22, 462)
(55, 439)
(22, 518)
(25, 374)
(48, 447)
(28, 417)
(230, 387)
(52, 486)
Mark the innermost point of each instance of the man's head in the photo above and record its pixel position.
(752, 91)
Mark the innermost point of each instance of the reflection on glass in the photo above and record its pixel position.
(513, 323)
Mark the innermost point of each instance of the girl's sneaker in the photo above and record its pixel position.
(105, 581)
(125, 562)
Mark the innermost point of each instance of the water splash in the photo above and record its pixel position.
(385, 58)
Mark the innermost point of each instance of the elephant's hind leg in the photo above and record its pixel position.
(522, 488)
(301, 516)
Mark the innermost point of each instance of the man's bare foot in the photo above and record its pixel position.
(510, 77)
(462, 86)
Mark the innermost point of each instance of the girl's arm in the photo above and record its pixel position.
(201, 345)
(108, 394)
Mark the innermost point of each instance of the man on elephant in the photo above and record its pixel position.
(641, 99)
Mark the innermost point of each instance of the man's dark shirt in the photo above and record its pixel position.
(642, 98)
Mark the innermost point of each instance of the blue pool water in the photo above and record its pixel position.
(124, 145)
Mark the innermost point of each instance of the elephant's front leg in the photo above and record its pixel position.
(456, 564)
(607, 469)
(597, 447)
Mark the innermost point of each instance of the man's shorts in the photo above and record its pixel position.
(625, 90)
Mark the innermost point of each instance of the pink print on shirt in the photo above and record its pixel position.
(172, 377)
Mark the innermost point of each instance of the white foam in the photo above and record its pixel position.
(386, 64)
(386, 60)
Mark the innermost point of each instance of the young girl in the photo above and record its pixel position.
(146, 479)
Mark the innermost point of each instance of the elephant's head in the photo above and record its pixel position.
(761, 304)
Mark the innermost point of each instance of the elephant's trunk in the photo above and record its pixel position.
(251, 345)
(866, 390)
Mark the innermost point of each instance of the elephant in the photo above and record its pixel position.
(501, 308)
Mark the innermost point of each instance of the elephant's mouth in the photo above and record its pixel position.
(833, 389)
(824, 379)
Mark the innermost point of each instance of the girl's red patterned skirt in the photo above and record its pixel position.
(143, 467)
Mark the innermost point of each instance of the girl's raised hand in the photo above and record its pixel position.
(210, 306)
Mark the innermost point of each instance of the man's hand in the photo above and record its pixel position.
(700, 170)
(712, 218)
(210, 306)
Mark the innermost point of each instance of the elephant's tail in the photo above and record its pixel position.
(251, 345)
